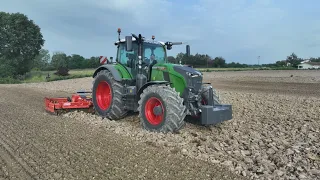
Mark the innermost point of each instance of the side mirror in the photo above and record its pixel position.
(129, 44)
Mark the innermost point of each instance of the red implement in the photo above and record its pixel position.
(76, 102)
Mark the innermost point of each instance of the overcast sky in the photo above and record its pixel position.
(238, 30)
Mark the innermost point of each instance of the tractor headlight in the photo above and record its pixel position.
(192, 75)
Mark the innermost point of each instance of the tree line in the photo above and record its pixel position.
(44, 62)
(204, 61)
(21, 51)
(75, 61)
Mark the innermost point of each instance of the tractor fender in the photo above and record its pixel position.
(115, 73)
(149, 84)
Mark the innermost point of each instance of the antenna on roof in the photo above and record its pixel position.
(119, 31)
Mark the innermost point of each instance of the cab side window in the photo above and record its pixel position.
(147, 55)
(124, 55)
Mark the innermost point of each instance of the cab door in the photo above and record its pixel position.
(128, 59)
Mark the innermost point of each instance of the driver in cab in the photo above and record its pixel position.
(148, 61)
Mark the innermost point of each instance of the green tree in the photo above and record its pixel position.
(172, 59)
(200, 60)
(41, 61)
(93, 62)
(315, 59)
(236, 65)
(219, 62)
(281, 63)
(59, 59)
(76, 61)
(293, 60)
(180, 57)
(6, 70)
(20, 42)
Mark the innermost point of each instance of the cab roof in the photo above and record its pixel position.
(145, 40)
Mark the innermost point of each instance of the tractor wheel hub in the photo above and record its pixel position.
(154, 111)
(157, 110)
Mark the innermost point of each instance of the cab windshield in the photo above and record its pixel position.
(151, 51)
(154, 51)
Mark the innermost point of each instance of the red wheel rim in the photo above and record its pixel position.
(151, 117)
(103, 95)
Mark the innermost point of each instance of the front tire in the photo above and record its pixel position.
(161, 109)
(107, 96)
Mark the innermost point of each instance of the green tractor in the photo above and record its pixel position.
(141, 80)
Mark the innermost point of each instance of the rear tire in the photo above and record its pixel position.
(171, 111)
(107, 96)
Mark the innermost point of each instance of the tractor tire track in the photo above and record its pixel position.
(69, 155)
(14, 126)
(25, 150)
(28, 153)
(35, 149)
(9, 157)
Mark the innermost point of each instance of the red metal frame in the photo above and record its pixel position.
(77, 102)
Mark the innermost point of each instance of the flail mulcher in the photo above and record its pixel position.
(141, 80)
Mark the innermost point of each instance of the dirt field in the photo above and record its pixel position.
(275, 134)
(36, 145)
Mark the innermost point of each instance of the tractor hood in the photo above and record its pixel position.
(192, 77)
(187, 70)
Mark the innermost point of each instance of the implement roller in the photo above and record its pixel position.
(78, 101)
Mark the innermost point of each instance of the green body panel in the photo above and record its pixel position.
(177, 80)
(123, 71)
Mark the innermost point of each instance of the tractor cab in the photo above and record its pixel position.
(153, 52)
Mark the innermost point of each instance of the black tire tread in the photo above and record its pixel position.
(176, 111)
(116, 110)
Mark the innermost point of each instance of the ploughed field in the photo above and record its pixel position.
(275, 132)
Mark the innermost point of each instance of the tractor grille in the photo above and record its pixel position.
(195, 83)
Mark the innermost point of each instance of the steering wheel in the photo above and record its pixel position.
(143, 63)
(146, 60)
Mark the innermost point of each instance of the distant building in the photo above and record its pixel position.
(309, 65)
(305, 61)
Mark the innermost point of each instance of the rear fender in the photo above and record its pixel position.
(115, 73)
